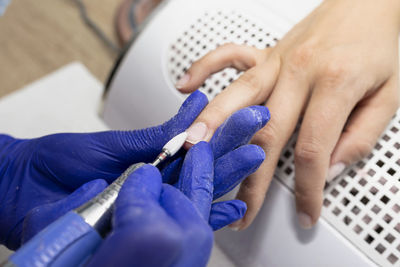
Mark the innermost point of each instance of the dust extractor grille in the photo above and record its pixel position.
(208, 32)
(364, 203)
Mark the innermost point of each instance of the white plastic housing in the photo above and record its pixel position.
(360, 223)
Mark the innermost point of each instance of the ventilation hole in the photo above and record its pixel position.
(382, 181)
(385, 199)
(397, 145)
(369, 239)
(345, 201)
(397, 227)
(364, 200)
(362, 182)
(396, 208)
(376, 209)
(389, 238)
(352, 173)
(357, 229)
(392, 258)
(386, 137)
(366, 219)
(373, 190)
(327, 202)
(347, 220)
(380, 163)
(387, 218)
(288, 170)
(336, 211)
(378, 146)
(356, 210)
(354, 191)
(378, 229)
(380, 248)
(343, 183)
(371, 172)
(389, 154)
(280, 164)
(334, 193)
(391, 171)
(394, 129)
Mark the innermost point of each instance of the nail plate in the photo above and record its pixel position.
(183, 81)
(196, 133)
(304, 220)
(335, 170)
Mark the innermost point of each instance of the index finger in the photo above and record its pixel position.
(253, 87)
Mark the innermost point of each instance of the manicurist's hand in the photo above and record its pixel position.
(156, 224)
(41, 179)
(337, 70)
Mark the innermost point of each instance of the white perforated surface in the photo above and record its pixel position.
(207, 33)
(363, 204)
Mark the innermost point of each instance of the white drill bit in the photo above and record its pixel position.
(171, 148)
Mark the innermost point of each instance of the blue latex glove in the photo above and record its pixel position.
(155, 224)
(234, 161)
(43, 178)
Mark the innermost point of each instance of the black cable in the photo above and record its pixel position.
(95, 28)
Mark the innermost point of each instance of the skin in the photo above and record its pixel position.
(337, 70)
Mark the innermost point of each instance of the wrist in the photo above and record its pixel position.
(382, 13)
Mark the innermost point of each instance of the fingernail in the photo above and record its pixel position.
(196, 133)
(182, 81)
(304, 220)
(335, 170)
(235, 226)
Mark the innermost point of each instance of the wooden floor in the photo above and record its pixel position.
(37, 37)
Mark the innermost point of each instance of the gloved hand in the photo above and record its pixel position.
(43, 178)
(234, 161)
(155, 224)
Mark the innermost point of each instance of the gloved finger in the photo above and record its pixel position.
(240, 57)
(127, 147)
(170, 174)
(197, 234)
(238, 129)
(138, 200)
(361, 133)
(226, 212)
(40, 217)
(197, 177)
(233, 167)
(141, 226)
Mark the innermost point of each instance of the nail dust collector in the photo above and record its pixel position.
(360, 224)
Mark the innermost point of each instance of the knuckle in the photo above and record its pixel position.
(307, 152)
(251, 82)
(334, 74)
(301, 56)
(335, 70)
(362, 148)
(228, 46)
(267, 136)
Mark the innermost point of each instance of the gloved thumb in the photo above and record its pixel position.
(40, 217)
(144, 145)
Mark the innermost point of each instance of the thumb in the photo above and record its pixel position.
(40, 217)
(143, 145)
